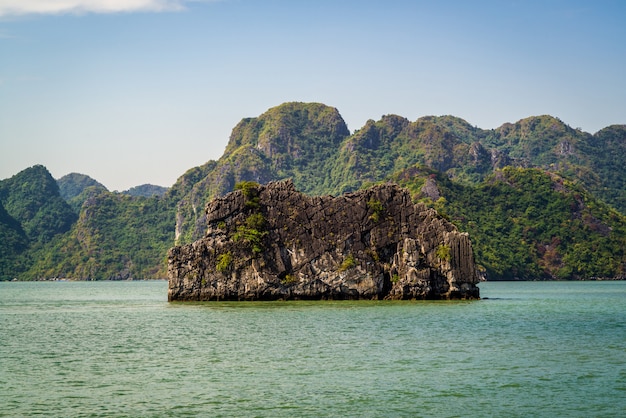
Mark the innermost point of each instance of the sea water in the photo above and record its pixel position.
(541, 349)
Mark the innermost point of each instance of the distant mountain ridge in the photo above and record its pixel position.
(76, 188)
(441, 159)
(73, 184)
(146, 190)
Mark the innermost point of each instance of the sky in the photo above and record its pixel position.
(139, 91)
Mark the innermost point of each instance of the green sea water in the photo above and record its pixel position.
(529, 349)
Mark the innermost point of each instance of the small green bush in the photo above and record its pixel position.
(377, 209)
(252, 237)
(256, 221)
(443, 252)
(224, 262)
(289, 279)
(252, 232)
(348, 263)
(250, 190)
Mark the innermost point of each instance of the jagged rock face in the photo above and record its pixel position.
(272, 242)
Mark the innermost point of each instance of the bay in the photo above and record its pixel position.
(91, 349)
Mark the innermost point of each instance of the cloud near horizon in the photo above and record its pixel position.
(24, 7)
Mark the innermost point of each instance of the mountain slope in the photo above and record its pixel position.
(394, 143)
(596, 161)
(115, 237)
(12, 243)
(297, 139)
(528, 224)
(607, 148)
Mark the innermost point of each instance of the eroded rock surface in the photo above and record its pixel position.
(272, 242)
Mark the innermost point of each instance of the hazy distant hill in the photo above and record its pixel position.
(75, 188)
(73, 184)
(529, 193)
(146, 190)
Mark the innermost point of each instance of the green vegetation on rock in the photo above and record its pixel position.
(377, 209)
(13, 243)
(224, 262)
(443, 252)
(348, 263)
(75, 188)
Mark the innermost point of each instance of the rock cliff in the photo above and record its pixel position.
(272, 242)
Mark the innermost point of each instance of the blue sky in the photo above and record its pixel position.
(139, 91)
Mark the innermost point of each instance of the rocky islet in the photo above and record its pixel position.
(272, 242)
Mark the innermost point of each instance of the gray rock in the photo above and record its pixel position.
(272, 242)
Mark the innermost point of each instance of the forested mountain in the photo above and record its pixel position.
(527, 223)
(116, 236)
(540, 200)
(596, 161)
(32, 198)
(608, 150)
(32, 213)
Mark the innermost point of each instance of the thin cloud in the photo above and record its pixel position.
(23, 7)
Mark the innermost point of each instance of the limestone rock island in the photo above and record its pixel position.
(271, 242)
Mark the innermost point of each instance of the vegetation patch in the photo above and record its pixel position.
(224, 262)
(289, 279)
(252, 232)
(250, 190)
(377, 209)
(373, 253)
(348, 263)
(443, 252)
